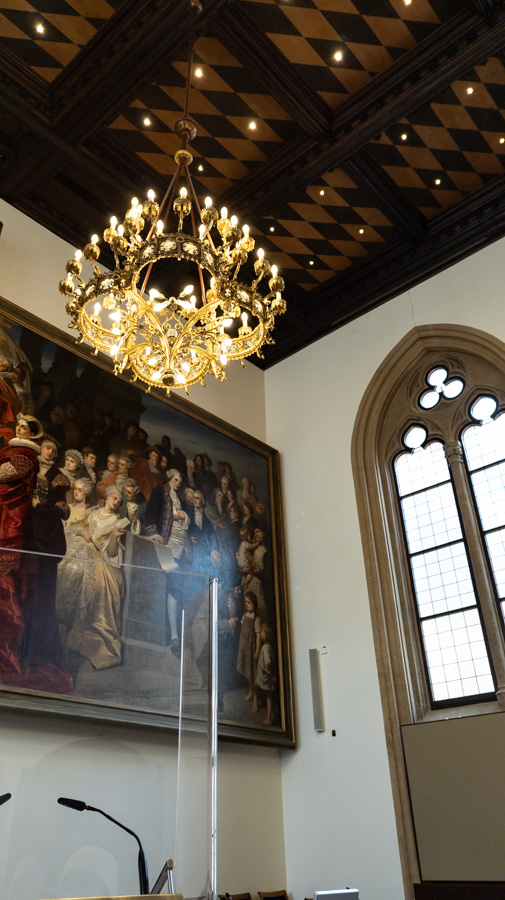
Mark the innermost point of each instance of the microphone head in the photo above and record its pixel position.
(4, 798)
(79, 805)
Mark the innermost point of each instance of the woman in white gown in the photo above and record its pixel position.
(90, 594)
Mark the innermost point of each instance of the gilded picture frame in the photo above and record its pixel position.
(48, 371)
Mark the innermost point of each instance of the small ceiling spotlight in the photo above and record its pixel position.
(403, 136)
(272, 228)
(252, 126)
(311, 262)
(502, 140)
(438, 181)
(338, 56)
(469, 90)
(198, 72)
(40, 28)
(200, 168)
(147, 121)
(362, 231)
(321, 193)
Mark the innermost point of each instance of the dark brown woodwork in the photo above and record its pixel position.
(355, 126)
(377, 184)
(450, 890)
(125, 52)
(240, 35)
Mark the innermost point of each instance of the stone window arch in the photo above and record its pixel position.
(389, 409)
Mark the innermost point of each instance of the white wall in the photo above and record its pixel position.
(338, 814)
(126, 771)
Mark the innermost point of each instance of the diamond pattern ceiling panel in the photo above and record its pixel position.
(369, 34)
(47, 34)
(450, 147)
(239, 125)
(323, 230)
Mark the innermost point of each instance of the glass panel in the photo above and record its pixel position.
(453, 388)
(89, 634)
(196, 808)
(457, 656)
(442, 580)
(483, 408)
(429, 399)
(496, 549)
(426, 467)
(415, 437)
(484, 444)
(437, 377)
(489, 488)
(431, 518)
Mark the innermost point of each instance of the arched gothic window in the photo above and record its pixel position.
(429, 466)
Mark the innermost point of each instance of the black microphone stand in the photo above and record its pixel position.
(79, 805)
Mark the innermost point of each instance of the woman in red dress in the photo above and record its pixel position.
(19, 573)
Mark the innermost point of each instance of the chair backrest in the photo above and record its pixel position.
(273, 895)
(245, 896)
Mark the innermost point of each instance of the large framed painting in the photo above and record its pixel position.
(127, 498)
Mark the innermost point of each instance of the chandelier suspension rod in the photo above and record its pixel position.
(168, 197)
(190, 59)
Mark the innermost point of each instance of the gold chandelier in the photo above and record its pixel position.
(174, 341)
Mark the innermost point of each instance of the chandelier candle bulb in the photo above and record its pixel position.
(151, 195)
(159, 226)
(224, 212)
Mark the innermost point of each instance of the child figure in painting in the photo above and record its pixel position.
(249, 647)
(266, 677)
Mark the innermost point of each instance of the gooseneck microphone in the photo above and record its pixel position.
(79, 805)
(4, 798)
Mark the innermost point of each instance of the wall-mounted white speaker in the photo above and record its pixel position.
(317, 699)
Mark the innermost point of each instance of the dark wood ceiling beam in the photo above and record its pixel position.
(452, 236)
(259, 54)
(377, 184)
(21, 174)
(126, 54)
(27, 84)
(486, 8)
(362, 118)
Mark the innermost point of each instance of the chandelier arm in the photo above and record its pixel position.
(200, 273)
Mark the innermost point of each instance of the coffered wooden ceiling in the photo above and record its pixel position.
(361, 176)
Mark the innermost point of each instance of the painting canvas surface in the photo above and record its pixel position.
(160, 499)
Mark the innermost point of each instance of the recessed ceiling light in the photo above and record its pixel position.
(40, 28)
(147, 121)
(252, 126)
(403, 137)
(362, 231)
(311, 262)
(321, 192)
(469, 90)
(438, 181)
(338, 55)
(198, 72)
(272, 228)
(408, 2)
(200, 168)
(502, 140)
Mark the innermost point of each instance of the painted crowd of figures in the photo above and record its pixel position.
(73, 493)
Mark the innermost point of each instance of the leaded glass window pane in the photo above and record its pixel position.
(451, 629)
(421, 469)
